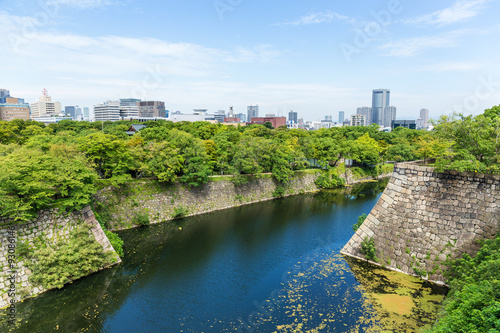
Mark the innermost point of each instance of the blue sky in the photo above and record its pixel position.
(316, 57)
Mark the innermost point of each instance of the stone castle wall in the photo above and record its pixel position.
(425, 218)
(51, 227)
(122, 205)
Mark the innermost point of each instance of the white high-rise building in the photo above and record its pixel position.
(358, 120)
(45, 107)
(109, 110)
(424, 115)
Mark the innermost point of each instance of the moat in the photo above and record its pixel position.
(268, 267)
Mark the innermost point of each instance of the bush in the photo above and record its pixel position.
(179, 212)
(279, 191)
(361, 219)
(473, 303)
(67, 260)
(141, 219)
(368, 248)
(115, 241)
(328, 180)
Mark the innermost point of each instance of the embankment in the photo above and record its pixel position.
(425, 218)
(47, 229)
(119, 207)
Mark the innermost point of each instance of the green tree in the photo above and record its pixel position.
(32, 180)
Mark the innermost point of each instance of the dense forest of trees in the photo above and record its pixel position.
(58, 165)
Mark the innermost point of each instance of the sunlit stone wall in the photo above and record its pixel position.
(48, 226)
(424, 219)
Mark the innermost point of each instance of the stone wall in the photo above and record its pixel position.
(51, 227)
(425, 218)
(119, 206)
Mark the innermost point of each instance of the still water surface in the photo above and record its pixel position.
(268, 267)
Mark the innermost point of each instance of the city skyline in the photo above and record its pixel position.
(202, 53)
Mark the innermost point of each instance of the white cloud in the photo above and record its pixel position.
(413, 46)
(459, 11)
(324, 17)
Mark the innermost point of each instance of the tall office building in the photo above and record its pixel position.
(129, 107)
(293, 117)
(70, 111)
(149, 109)
(367, 112)
(341, 117)
(4, 93)
(252, 112)
(389, 115)
(380, 100)
(424, 115)
(109, 110)
(45, 107)
(86, 114)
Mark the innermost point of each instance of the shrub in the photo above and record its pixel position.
(361, 219)
(141, 219)
(368, 248)
(329, 180)
(279, 191)
(179, 212)
(115, 241)
(67, 260)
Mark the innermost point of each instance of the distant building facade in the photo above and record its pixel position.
(358, 120)
(252, 112)
(14, 108)
(4, 93)
(411, 124)
(389, 115)
(380, 101)
(107, 111)
(70, 111)
(152, 109)
(45, 107)
(129, 108)
(423, 121)
(276, 121)
(341, 117)
(367, 112)
(293, 117)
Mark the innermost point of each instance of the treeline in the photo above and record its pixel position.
(58, 165)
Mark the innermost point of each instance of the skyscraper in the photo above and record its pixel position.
(293, 117)
(424, 115)
(367, 112)
(341, 117)
(389, 116)
(3, 95)
(380, 100)
(252, 112)
(70, 111)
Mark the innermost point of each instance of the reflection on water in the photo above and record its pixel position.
(268, 267)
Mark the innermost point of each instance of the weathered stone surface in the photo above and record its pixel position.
(52, 227)
(421, 225)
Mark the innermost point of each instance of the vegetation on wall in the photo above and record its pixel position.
(358, 224)
(368, 248)
(54, 265)
(473, 303)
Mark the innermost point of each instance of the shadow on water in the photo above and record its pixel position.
(200, 274)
